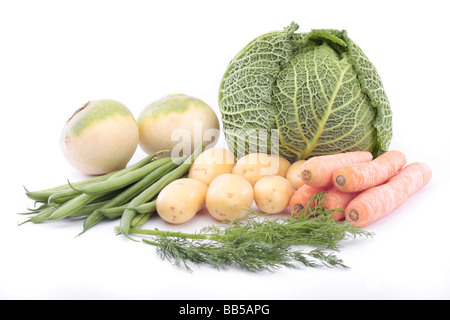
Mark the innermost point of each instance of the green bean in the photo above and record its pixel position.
(111, 213)
(116, 212)
(44, 195)
(153, 190)
(68, 189)
(42, 216)
(128, 194)
(67, 208)
(120, 179)
(135, 166)
(41, 207)
(91, 220)
(140, 219)
(146, 207)
(88, 209)
(113, 183)
(63, 196)
(46, 210)
(125, 179)
(132, 191)
(45, 214)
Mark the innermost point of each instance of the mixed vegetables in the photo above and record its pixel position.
(266, 205)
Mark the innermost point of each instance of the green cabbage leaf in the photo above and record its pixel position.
(304, 94)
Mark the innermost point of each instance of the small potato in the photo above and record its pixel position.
(180, 200)
(212, 163)
(254, 166)
(229, 197)
(294, 174)
(272, 194)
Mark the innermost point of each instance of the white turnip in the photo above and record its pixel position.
(178, 123)
(100, 137)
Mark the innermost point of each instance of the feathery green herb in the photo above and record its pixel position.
(257, 243)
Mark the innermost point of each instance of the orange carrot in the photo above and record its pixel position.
(301, 196)
(318, 171)
(335, 199)
(362, 176)
(374, 203)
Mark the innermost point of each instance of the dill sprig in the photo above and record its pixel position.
(247, 254)
(257, 243)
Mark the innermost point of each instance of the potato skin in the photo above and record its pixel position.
(180, 200)
(254, 166)
(212, 163)
(294, 174)
(229, 197)
(272, 194)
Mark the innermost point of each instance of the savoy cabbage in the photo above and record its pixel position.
(302, 95)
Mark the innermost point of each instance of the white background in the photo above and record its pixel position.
(57, 55)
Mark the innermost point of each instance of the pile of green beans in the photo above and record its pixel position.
(129, 194)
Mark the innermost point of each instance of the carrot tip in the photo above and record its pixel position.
(340, 180)
(306, 175)
(353, 214)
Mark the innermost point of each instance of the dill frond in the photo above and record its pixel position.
(257, 243)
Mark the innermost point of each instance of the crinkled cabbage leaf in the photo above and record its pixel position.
(302, 95)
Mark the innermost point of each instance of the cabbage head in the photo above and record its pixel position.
(304, 94)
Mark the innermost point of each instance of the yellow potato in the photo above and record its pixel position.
(294, 174)
(180, 200)
(254, 166)
(212, 163)
(272, 194)
(229, 197)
